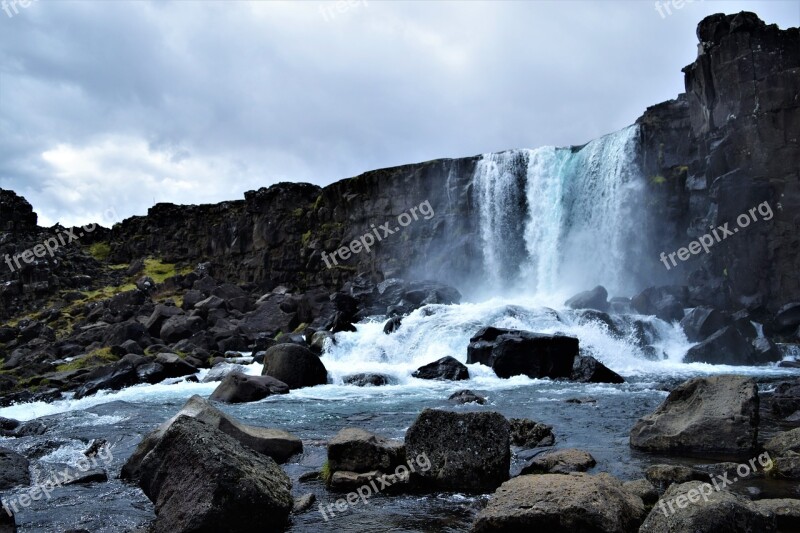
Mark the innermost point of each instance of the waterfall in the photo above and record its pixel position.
(553, 218)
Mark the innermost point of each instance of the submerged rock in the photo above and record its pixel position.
(529, 434)
(467, 451)
(466, 396)
(367, 380)
(717, 415)
(201, 479)
(560, 462)
(560, 503)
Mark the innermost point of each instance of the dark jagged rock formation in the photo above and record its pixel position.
(731, 142)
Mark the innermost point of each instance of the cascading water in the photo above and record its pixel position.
(554, 219)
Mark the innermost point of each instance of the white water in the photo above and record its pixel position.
(558, 218)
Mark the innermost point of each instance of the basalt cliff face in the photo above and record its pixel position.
(729, 143)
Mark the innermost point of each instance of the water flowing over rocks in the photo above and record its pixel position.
(514, 352)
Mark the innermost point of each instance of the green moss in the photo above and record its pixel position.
(683, 169)
(95, 358)
(100, 251)
(658, 180)
(317, 203)
(306, 238)
(301, 328)
(160, 271)
(298, 212)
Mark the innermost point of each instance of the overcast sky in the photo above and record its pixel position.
(109, 106)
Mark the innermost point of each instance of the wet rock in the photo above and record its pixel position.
(174, 366)
(14, 469)
(662, 476)
(193, 470)
(729, 346)
(666, 302)
(705, 416)
(515, 352)
(241, 388)
(367, 380)
(8, 522)
(318, 341)
(294, 365)
(786, 398)
(80, 477)
(587, 369)
(561, 503)
(596, 298)
(696, 506)
(787, 319)
(784, 450)
(110, 377)
(303, 503)
(467, 451)
(701, 322)
(560, 462)
(392, 325)
(160, 315)
(180, 327)
(466, 396)
(220, 370)
(275, 443)
(447, 368)
(529, 434)
(357, 450)
(346, 480)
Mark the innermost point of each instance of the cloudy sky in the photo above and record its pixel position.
(108, 106)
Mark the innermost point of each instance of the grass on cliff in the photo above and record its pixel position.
(100, 251)
(95, 358)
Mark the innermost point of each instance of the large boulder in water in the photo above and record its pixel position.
(447, 368)
(701, 322)
(710, 416)
(295, 365)
(467, 451)
(357, 450)
(560, 503)
(596, 298)
(201, 479)
(274, 443)
(729, 347)
(695, 506)
(241, 388)
(587, 369)
(14, 469)
(513, 352)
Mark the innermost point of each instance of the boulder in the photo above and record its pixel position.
(786, 398)
(294, 365)
(587, 369)
(14, 469)
(357, 450)
(241, 388)
(560, 462)
(367, 380)
(275, 443)
(180, 327)
(220, 370)
(662, 476)
(559, 503)
(787, 319)
(729, 347)
(596, 298)
(467, 451)
(174, 366)
(392, 325)
(8, 523)
(515, 352)
(701, 322)
(447, 368)
(666, 303)
(159, 315)
(786, 511)
(466, 396)
(201, 479)
(703, 416)
(109, 377)
(318, 340)
(695, 506)
(529, 434)
(642, 489)
(784, 451)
